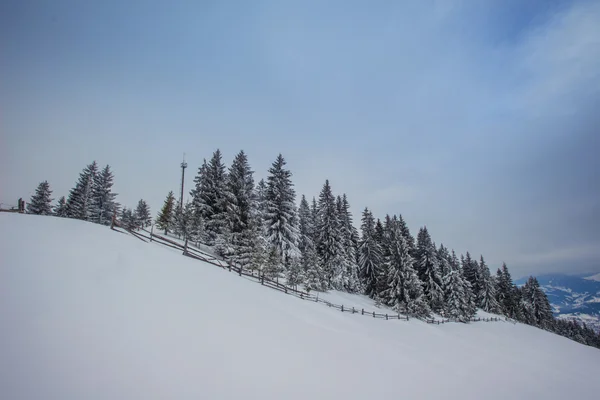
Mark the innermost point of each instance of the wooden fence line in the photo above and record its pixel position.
(200, 255)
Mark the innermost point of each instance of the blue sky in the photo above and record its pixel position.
(476, 118)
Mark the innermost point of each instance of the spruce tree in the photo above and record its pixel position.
(370, 258)
(60, 209)
(349, 239)
(471, 271)
(504, 293)
(102, 200)
(309, 262)
(165, 217)
(142, 214)
(329, 246)
(427, 266)
(241, 211)
(404, 291)
(79, 204)
(487, 292)
(210, 202)
(443, 256)
(537, 304)
(280, 216)
(41, 203)
(458, 303)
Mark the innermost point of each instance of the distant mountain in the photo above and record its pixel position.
(573, 297)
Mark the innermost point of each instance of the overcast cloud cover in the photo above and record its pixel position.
(476, 118)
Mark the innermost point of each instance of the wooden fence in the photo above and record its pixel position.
(201, 255)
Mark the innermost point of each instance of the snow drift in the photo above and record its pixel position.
(87, 313)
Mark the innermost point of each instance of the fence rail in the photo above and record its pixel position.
(201, 255)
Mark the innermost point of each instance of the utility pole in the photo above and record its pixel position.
(183, 167)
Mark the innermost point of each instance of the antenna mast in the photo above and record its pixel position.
(183, 167)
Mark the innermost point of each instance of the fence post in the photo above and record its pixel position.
(185, 247)
(353, 310)
(302, 297)
(386, 316)
(363, 311)
(262, 280)
(342, 308)
(373, 314)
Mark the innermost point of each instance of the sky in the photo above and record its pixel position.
(478, 119)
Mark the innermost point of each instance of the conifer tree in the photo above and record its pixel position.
(280, 217)
(179, 221)
(210, 201)
(41, 203)
(349, 241)
(471, 271)
(328, 238)
(427, 266)
(443, 256)
(458, 303)
(504, 292)
(241, 210)
(537, 304)
(102, 200)
(60, 210)
(142, 214)
(487, 293)
(79, 203)
(165, 217)
(404, 291)
(370, 258)
(309, 262)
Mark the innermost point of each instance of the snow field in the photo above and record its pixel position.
(89, 313)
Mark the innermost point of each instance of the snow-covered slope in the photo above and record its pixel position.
(594, 278)
(87, 313)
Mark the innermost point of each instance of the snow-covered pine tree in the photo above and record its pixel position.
(458, 304)
(79, 203)
(260, 198)
(128, 219)
(537, 304)
(404, 290)
(504, 292)
(370, 258)
(60, 209)
(165, 217)
(329, 244)
(179, 222)
(443, 256)
(349, 237)
(102, 199)
(471, 271)
(142, 214)
(280, 216)
(241, 211)
(470, 297)
(410, 240)
(41, 203)
(313, 279)
(210, 201)
(487, 292)
(427, 266)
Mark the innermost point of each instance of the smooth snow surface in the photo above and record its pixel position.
(88, 313)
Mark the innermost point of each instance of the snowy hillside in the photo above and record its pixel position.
(88, 313)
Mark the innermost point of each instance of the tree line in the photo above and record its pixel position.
(315, 244)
